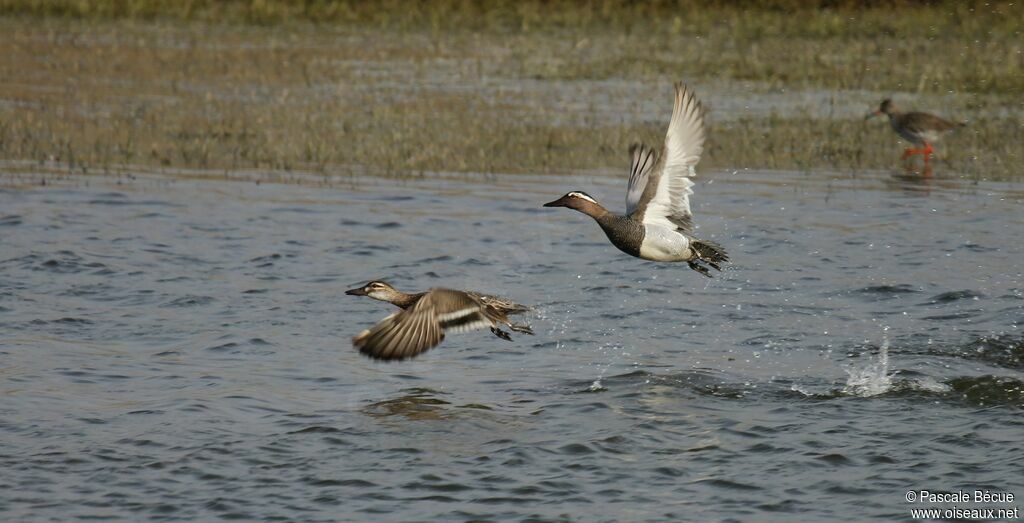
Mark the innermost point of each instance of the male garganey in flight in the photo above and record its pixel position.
(658, 223)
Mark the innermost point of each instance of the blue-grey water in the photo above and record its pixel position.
(179, 349)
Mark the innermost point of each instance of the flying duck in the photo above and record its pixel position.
(658, 223)
(427, 316)
(921, 129)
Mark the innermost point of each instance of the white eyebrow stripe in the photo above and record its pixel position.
(584, 196)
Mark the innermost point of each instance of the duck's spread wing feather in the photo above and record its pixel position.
(666, 198)
(402, 335)
(641, 165)
(410, 332)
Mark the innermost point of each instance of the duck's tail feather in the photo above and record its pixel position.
(710, 253)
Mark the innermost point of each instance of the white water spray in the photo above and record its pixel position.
(874, 378)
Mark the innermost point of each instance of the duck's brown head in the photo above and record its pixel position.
(377, 290)
(579, 201)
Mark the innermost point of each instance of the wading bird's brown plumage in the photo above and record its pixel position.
(920, 129)
(426, 317)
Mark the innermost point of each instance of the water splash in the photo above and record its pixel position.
(874, 378)
(796, 387)
(610, 355)
(560, 321)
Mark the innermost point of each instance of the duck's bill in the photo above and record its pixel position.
(557, 203)
(358, 291)
(872, 114)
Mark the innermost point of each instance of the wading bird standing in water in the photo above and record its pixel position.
(920, 129)
(658, 223)
(427, 316)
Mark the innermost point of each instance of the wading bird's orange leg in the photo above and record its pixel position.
(908, 152)
(927, 152)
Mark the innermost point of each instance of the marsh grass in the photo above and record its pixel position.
(454, 86)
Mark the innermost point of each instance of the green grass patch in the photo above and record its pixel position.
(475, 86)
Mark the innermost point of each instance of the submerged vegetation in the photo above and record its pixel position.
(473, 86)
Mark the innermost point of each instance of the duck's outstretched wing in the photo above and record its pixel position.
(665, 198)
(401, 335)
(409, 332)
(640, 167)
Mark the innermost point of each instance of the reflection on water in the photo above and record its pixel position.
(415, 404)
(181, 350)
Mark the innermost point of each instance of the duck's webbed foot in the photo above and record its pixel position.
(501, 334)
(520, 327)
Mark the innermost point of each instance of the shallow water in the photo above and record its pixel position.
(178, 349)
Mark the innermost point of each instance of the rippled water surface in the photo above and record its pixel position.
(176, 349)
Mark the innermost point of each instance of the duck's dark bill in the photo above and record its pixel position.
(358, 291)
(557, 203)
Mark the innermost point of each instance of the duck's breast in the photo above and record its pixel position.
(623, 232)
(664, 244)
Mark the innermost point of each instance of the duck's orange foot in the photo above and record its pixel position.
(907, 153)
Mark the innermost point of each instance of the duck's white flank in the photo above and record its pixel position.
(663, 244)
